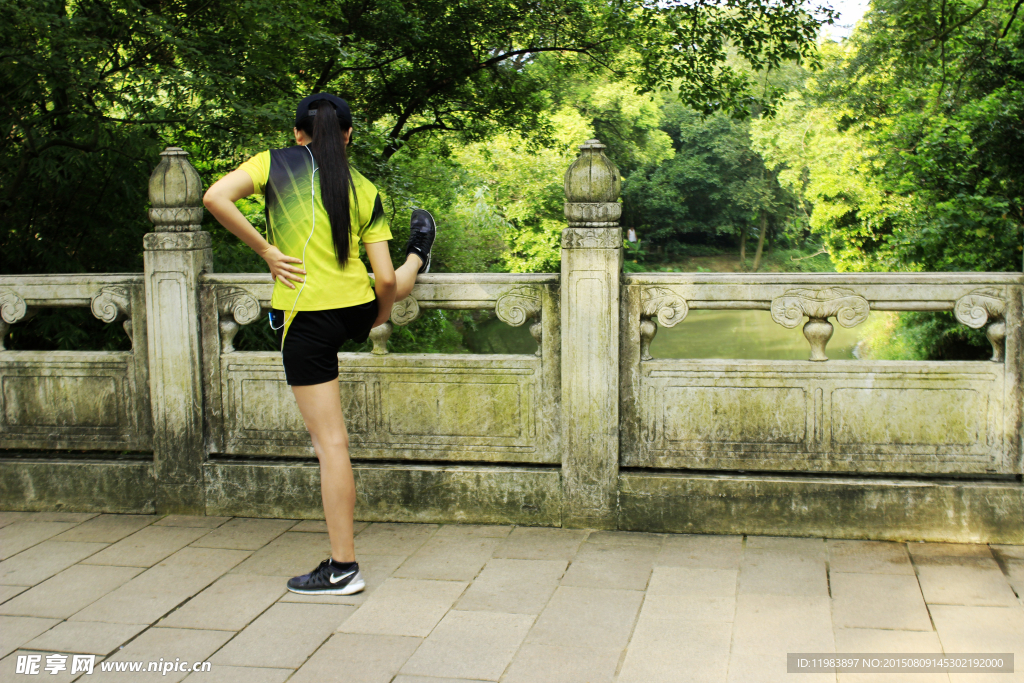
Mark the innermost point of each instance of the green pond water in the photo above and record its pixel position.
(704, 334)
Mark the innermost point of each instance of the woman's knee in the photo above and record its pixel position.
(330, 443)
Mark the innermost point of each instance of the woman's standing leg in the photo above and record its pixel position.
(320, 405)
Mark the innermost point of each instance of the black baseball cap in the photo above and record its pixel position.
(340, 105)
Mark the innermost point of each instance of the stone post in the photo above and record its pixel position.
(591, 263)
(175, 253)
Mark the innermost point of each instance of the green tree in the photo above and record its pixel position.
(715, 189)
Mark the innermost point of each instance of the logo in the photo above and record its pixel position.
(343, 576)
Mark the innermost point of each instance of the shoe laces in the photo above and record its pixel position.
(322, 569)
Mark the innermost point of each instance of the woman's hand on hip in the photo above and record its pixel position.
(281, 268)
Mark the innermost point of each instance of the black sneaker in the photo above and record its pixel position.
(328, 579)
(421, 237)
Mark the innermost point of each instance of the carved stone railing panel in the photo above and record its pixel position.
(978, 308)
(242, 307)
(75, 400)
(908, 417)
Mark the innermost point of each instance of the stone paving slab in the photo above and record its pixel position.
(458, 604)
(984, 585)
(8, 592)
(230, 603)
(16, 631)
(86, 637)
(709, 552)
(199, 521)
(513, 586)
(783, 570)
(601, 565)
(148, 546)
(596, 617)
(72, 590)
(894, 641)
(106, 528)
(534, 543)
(290, 554)
(244, 534)
(21, 535)
(772, 624)
(189, 645)
(663, 649)
(42, 561)
(449, 558)
(284, 636)
(405, 607)
(539, 663)
(240, 674)
(880, 601)
(474, 645)
(367, 658)
(158, 590)
(869, 557)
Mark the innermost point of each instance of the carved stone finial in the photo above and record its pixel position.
(977, 308)
(12, 306)
(537, 332)
(12, 309)
(846, 306)
(818, 331)
(405, 311)
(175, 193)
(592, 186)
(379, 336)
(669, 308)
(648, 328)
(235, 307)
(516, 305)
(114, 303)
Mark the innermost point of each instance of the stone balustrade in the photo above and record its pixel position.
(591, 430)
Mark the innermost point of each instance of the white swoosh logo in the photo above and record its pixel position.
(336, 580)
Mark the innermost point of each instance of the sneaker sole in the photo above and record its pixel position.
(426, 266)
(346, 590)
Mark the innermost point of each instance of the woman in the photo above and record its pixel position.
(319, 209)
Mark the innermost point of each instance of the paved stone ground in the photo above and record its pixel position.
(490, 603)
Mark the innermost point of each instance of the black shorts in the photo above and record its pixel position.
(310, 349)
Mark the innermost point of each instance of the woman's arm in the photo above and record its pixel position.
(383, 277)
(220, 202)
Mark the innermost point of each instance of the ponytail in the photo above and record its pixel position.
(328, 148)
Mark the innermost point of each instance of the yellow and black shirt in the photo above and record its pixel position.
(285, 178)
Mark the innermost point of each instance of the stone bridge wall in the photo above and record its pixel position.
(589, 431)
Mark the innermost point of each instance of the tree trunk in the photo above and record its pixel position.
(743, 247)
(760, 240)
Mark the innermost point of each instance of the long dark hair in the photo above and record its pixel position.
(328, 148)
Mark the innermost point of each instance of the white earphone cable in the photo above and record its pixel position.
(312, 207)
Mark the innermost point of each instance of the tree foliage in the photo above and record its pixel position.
(92, 89)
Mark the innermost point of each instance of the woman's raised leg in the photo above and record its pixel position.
(320, 405)
(405, 276)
